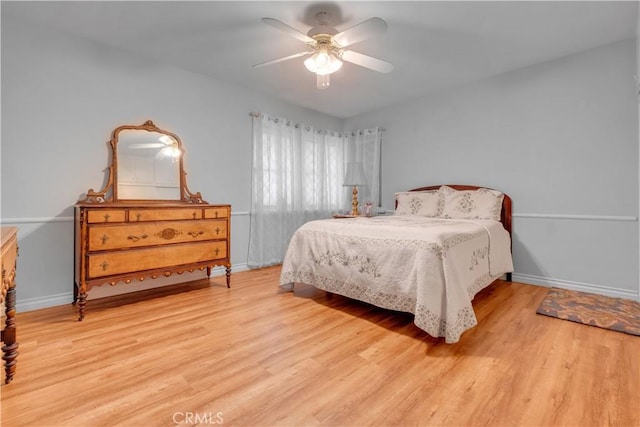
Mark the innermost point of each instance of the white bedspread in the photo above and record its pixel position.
(430, 267)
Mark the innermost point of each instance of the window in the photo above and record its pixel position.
(298, 175)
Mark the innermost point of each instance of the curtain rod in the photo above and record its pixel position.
(257, 114)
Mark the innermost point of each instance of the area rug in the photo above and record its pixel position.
(615, 314)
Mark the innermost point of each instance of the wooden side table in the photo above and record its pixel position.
(337, 216)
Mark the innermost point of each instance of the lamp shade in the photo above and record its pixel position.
(355, 174)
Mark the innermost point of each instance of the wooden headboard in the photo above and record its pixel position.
(505, 215)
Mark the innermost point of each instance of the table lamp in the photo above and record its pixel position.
(354, 177)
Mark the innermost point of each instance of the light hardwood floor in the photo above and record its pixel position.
(255, 356)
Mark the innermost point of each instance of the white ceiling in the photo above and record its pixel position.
(433, 45)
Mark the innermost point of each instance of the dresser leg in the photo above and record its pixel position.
(10, 347)
(228, 276)
(208, 272)
(82, 303)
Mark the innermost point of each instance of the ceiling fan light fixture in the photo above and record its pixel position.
(173, 152)
(326, 46)
(323, 62)
(323, 81)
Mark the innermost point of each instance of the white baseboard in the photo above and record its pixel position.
(31, 304)
(575, 286)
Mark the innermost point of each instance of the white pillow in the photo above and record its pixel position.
(471, 204)
(423, 203)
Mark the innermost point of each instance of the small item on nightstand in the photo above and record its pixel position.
(344, 216)
(367, 209)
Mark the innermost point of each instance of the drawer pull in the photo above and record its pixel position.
(106, 217)
(138, 215)
(136, 238)
(195, 234)
(168, 233)
(104, 265)
(104, 239)
(217, 251)
(194, 215)
(217, 230)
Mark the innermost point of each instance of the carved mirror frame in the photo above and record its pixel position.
(109, 194)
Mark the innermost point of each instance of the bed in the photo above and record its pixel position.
(442, 245)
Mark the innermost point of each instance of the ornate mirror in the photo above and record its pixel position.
(147, 164)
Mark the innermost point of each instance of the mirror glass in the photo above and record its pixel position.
(148, 165)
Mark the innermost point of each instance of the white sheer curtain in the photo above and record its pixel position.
(297, 177)
(365, 146)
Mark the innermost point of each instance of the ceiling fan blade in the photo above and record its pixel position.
(289, 30)
(361, 31)
(286, 58)
(367, 61)
(147, 145)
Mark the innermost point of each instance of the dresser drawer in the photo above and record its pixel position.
(132, 235)
(136, 215)
(216, 212)
(105, 215)
(138, 260)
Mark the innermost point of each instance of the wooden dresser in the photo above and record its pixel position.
(145, 222)
(125, 242)
(8, 298)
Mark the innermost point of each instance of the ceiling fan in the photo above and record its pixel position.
(327, 46)
(164, 141)
(168, 147)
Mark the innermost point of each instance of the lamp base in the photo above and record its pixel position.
(354, 201)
